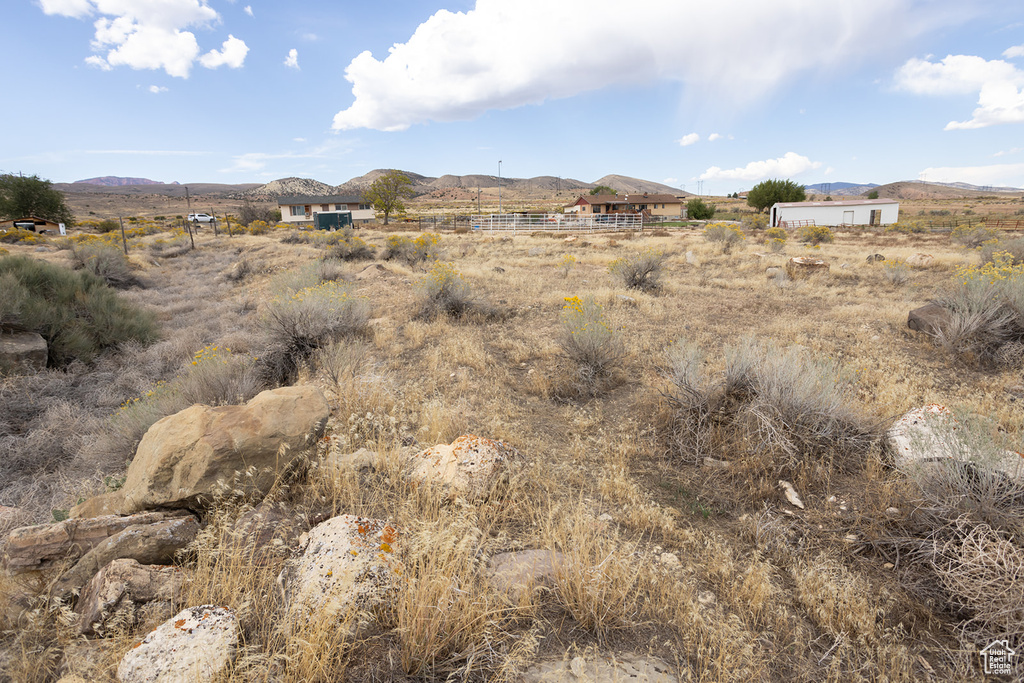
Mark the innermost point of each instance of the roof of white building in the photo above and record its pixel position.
(845, 202)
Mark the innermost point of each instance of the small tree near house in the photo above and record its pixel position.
(387, 192)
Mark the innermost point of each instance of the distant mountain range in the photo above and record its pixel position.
(425, 184)
(118, 181)
(905, 189)
(841, 189)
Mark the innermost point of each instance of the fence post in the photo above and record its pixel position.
(124, 240)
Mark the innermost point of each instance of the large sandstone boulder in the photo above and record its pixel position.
(197, 644)
(930, 319)
(469, 467)
(22, 352)
(157, 543)
(122, 586)
(346, 568)
(802, 267)
(920, 260)
(185, 458)
(43, 545)
(927, 439)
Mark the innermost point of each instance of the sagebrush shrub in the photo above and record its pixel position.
(896, 272)
(973, 236)
(75, 311)
(104, 260)
(348, 247)
(775, 238)
(907, 227)
(445, 291)
(816, 234)
(589, 341)
(786, 405)
(756, 221)
(19, 236)
(986, 310)
(639, 271)
(727, 234)
(299, 321)
(412, 251)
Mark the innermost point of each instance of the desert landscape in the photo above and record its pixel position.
(387, 454)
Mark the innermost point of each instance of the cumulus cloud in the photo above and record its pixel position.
(157, 89)
(789, 164)
(248, 10)
(713, 137)
(688, 139)
(292, 60)
(457, 65)
(999, 85)
(232, 54)
(1015, 51)
(149, 34)
(1010, 175)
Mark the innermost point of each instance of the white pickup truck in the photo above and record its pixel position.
(200, 218)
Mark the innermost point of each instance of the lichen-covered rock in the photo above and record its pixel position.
(197, 644)
(121, 587)
(469, 467)
(346, 568)
(184, 459)
(930, 436)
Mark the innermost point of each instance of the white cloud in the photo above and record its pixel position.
(298, 139)
(1009, 175)
(688, 139)
(713, 137)
(999, 85)
(457, 65)
(1015, 51)
(248, 10)
(292, 60)
(157, 89)
(232, 54)
(148, 34)
(787, 165)
(674, 182)
(310, 37)
(1007, 152)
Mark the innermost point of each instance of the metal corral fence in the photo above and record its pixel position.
(558, 222)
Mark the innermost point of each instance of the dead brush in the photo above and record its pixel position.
(639, 271)
(787, 409)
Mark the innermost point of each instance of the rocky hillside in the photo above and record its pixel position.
(623, 184)
(289, 186)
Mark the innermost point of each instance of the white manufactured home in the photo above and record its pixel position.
(847, 212)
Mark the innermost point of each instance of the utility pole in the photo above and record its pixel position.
(188, 224)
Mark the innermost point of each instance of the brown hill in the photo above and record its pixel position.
(910, 189)
(623, 184)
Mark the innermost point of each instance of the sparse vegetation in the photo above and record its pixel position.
(639, 271)
(103, 260)
(816, 234)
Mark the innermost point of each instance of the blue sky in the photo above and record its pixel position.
(716, 96)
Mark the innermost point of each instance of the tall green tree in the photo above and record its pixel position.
(24, 196)
(769, 192)
(387, 192)
(699, 210)
(601, 189)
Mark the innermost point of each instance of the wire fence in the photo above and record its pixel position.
(558, 222)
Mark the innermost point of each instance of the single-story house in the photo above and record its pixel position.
(846, 212)
(640, 202)
(31, 223)
(301, 208)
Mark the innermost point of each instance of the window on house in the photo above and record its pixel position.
(339, 207)
(364, 207)
(297, 211)
(325, 207)
(597, 209)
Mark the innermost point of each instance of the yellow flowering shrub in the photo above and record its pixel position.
(445, 291)
(816, 234)
(587, 338)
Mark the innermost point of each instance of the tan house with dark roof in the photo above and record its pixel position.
(665, 205)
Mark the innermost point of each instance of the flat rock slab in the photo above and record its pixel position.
(930, 319)
(197, 644)
(43, 545)
(347, 565)
(469, 467)
(516, 571)
(601, 669)
(184, 459)
(805, 266)
(123, 585)
(22, 352)
(156, 543)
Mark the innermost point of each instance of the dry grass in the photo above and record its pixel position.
(757, 594)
